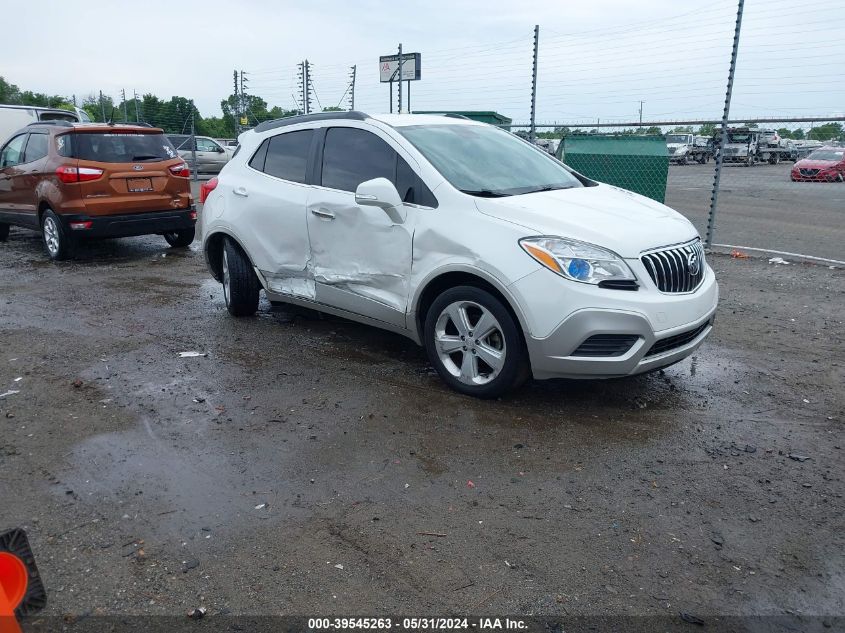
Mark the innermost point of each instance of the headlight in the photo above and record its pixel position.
(577, 261)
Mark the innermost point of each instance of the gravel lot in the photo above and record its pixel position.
(761, 207)
(311, 465)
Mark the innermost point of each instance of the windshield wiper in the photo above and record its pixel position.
(485, 193)
(141, 157)
(546, 188)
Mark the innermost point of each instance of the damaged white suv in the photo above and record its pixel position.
(499, 259)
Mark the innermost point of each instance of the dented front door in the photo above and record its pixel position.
(360, 259)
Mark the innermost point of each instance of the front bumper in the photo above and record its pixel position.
(798, 177)
(665, 328)
(129, 225)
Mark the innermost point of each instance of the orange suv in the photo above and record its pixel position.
(73, 181)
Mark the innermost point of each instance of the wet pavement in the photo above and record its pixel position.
(306, 464)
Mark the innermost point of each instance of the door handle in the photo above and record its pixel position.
(240, 191)
(323, 213)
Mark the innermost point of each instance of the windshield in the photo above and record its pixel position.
(483, 160)
(116, 147)
(677, 138)
(739, 138)
(827, 154)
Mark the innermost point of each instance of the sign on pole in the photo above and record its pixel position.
(388, 66)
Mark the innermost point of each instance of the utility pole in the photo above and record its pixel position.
(194, 169)
(235, 115)
(533, 133)
(399, 111)
(102, 106)
(307, 86)
(641, 112)
(135, 98)
(125, 112)
(352, 92)
(723, 135)
(244, 86)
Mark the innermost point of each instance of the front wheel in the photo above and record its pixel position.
(240, 285)
(180, 239)
(474, 343)
(57, 242)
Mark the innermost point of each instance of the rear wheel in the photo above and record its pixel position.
(180, 239)
(474, 343)
(57, 242)
(240, 285)
(4, 232)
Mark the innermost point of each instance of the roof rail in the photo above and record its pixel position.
(352, 115)
(59, 123)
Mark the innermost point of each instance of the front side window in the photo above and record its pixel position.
(12, 153)
(206, 145)
(287, 155)
(36, 147)
(352, 156)
(117, 147)
(485, 161)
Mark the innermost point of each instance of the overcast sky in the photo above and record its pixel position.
(598, 59)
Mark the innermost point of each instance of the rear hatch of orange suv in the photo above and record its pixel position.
(119, 171)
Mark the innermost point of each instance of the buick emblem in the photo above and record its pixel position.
(693, 264)
(137, 167)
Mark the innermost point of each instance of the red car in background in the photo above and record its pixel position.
(826, 164)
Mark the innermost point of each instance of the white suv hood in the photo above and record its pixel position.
(625, 222)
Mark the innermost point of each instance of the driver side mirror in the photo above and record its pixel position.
(380, 192)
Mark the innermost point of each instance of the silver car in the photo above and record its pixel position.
(211, 155)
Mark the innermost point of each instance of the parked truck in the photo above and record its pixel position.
(750, 146)
(686, 148)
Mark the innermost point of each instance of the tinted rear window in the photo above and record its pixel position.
(116, 147)
(287, 155)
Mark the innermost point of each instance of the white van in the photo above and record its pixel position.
(14, 117)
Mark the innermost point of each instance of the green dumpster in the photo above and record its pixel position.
(636, 163)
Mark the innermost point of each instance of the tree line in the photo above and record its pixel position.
(174, 116)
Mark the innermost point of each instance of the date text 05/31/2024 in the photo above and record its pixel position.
(416, 624)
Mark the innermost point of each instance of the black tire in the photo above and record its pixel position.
(180, 239)
(4, 232)
(505, 337)
(240, 285)
(57, 242)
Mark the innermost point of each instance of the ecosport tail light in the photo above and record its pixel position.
(181, 170)
(69, 174)
(206, 188)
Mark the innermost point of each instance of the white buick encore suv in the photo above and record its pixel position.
(498, 258)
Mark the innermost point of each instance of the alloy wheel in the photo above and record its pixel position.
(470, 343)
(51, 236)
(227, 283)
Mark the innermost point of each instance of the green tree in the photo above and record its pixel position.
(798, 134)
(826, 132)
(653, 131)
(708, 129)
(683, 129)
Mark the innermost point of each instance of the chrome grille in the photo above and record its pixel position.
(678, 269)
(809, 172)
